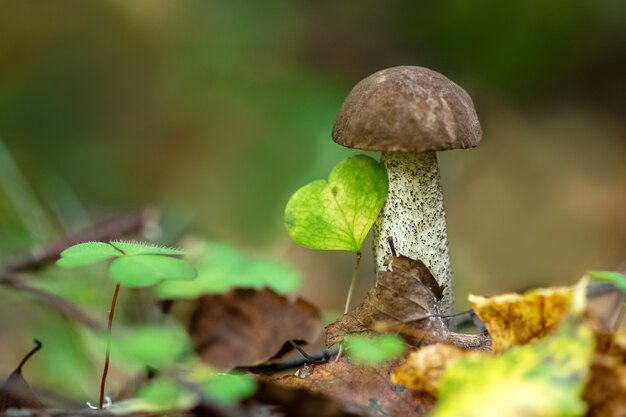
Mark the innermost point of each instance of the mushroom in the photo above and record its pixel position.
(408, 113)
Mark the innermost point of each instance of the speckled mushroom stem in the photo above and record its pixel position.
(414, 216)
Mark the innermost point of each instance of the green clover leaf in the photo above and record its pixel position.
(87, 253)
(145, 270)
(135, 265)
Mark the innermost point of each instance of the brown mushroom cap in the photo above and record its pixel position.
(407, 109)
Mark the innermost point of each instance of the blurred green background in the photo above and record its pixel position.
(216, 112)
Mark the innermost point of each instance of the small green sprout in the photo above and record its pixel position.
(134, 265)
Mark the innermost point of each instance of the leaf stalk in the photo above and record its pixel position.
(107, 356)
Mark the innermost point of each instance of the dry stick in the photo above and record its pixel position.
(61, 305)
(462, 340)
(392, 246)
(306, 355)
(108, 350)
(322, 356)
(107, 230)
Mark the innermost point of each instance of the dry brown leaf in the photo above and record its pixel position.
(247, 327)
(422, 368)
(16, 393)
(517, 319)
(363, 389)
(406, 301)
(605, 392)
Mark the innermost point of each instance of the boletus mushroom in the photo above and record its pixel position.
(409, 113)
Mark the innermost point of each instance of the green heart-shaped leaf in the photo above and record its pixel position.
(337, 214)
(146, 270)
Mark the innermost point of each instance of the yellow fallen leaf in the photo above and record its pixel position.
(423, 368)
(516, 319)
(545, 379)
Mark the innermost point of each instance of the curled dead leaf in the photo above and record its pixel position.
(16, 393)
(405, 301)
(247, 327)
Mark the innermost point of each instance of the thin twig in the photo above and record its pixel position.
(287, 364)
(107, 230)
(306, 355)
(108, 349)
(63, 306)
(392, 246)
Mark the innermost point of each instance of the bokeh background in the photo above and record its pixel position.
(215, 112)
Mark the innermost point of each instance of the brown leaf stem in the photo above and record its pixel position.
(108, 349)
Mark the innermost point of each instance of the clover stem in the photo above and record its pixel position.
(108, 348)
(355, 272)
(352, 282)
